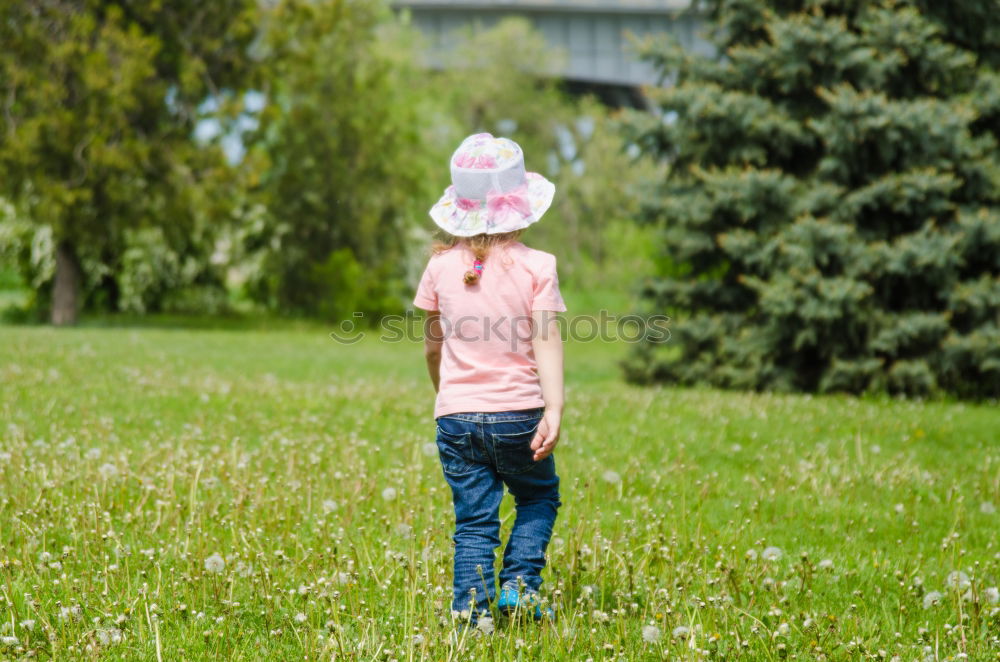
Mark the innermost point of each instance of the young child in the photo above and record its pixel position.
(494, 353)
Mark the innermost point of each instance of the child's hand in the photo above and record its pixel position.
(547, 436)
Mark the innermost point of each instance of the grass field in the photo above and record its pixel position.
(270, 494)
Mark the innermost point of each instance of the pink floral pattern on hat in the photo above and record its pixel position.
(507, 205)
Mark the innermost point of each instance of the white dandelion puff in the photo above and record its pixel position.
(751, 554)
(329, 506)
(650, 634)
(10, 641)
(28, 624)
(987, 508)
(958, 580)
(772, 554)
(215, 564)
(93, 454)
(301, 618)
(389, 493)
(932, 599)
(404, 530)
(611, 476)
(108, 471)
(992, 595)
(681, 632)
(75, 613)
(485, 625)
(899, 508)
(825, 564)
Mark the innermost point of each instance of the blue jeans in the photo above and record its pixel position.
(480, 453)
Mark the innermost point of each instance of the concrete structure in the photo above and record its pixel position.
(592, 33)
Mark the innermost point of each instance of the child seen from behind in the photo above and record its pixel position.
(494, 354)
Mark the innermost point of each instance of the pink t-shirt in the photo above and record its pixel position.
(487, 361)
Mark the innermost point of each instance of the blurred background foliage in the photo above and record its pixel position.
(276, 157)
(817, 204)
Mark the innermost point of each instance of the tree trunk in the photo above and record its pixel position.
(66, 289)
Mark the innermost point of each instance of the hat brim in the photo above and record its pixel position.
(454, 220)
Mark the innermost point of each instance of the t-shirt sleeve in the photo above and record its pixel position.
(426, 297)
(546, 295)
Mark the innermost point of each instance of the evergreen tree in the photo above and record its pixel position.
(830, 219)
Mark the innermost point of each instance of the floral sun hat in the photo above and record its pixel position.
(490, 190)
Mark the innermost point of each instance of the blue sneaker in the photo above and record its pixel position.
(510, 601)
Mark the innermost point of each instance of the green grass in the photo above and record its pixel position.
(129, 456)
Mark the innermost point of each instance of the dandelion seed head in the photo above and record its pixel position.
(611, 476)
(681, 632)
(772, 554)
(933, 598)
(215, 564)
(987, 508)
(751, 554)
(958, 580)
(389, 493)
(992, 595)
(650, 634)
(329, 505)
(485, 625)
(825, 564)
(108, 471)
(899, 508)
(301, 618)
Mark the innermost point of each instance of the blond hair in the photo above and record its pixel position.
(480, 245)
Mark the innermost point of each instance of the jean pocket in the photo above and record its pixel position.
(513, 451)
(455, 450)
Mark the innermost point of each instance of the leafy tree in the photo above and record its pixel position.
(99, 102)
(337, 164)
(833, 198)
